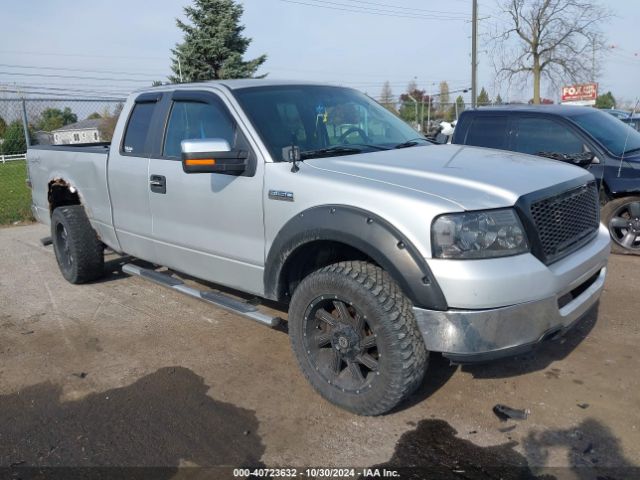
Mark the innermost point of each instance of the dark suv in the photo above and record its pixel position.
(580, 135)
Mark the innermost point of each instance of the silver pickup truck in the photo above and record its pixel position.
(381, 246)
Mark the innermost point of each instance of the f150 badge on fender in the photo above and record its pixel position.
(280, 195)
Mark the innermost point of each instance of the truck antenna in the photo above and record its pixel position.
(633, 112)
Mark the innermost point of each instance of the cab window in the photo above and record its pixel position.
(537, 135)
(135, 138)
(488, 131)
(196, 120)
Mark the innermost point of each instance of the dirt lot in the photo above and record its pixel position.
(127, 373)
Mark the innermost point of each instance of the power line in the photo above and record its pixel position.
(66, 89)
(81, 70)
(76, 77)
(84, 55)
(408, 9)
(61, 96)
(327, 5)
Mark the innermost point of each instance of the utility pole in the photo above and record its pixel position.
(180, 69)
(474, 54)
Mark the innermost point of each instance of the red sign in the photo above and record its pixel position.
(580, 93)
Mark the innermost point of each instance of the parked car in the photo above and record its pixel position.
(444, 133)
(605, 146)
(381, 247)
(633, 121)
(620, 114)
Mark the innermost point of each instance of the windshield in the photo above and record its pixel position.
(616, 136)
(317, 118)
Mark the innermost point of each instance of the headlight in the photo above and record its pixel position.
(483, 234)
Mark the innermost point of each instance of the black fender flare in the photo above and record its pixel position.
(361, 230)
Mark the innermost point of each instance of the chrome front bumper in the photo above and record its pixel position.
(478, 335)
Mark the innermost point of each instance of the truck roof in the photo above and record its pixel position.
(238, 84)
(563, 110)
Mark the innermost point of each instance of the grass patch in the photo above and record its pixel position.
(15, 196)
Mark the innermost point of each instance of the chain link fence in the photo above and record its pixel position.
(45, 121)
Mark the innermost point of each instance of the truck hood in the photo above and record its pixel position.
(473, 178)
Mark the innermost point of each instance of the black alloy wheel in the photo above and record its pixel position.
(341, 345)
(356, 338)
(624, 226)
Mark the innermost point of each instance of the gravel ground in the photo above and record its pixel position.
(127, 373)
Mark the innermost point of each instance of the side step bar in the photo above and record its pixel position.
(215, 298)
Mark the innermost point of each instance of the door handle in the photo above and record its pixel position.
(158, 184)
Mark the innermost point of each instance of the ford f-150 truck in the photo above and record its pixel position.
(382, 247)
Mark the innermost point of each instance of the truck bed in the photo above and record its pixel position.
(83, 168)
(100, 147)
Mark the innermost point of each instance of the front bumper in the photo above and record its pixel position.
(471, 335)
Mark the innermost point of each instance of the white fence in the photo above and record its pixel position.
(13, 158)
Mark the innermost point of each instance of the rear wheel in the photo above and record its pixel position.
(622, 217)
(79, 252)
(355, 337)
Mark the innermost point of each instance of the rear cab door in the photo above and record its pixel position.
(128, 176)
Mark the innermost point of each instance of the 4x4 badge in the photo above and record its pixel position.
(280, 195)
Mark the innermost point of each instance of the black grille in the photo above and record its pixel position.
(564, 222)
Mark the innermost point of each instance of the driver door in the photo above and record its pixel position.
(207, 224)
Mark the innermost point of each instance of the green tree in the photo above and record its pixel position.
(458, 107)
(54, 118)
(108, 122)
(483, 98)
(414, 104)
(14, 142)
(606, 100)
(3, 127)
(386, 97)
(213, 46)
(94, 116)
(498, 100)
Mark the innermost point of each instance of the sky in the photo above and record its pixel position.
(117, 46)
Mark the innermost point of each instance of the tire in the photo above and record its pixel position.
(79, 252)
(622, 217)
(373, 356)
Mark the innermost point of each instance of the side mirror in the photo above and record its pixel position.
(212, 155)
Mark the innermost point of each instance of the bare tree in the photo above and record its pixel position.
(386, 97)
(552, 39)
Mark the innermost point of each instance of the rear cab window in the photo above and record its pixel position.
(136, 136)
(489, 131)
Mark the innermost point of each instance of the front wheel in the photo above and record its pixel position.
(355, 337)
(622, 217)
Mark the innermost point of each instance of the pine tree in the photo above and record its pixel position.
(483, 98)
(498, 100)
(213, 46)
(386, 97)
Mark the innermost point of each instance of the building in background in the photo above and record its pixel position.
(85, 131)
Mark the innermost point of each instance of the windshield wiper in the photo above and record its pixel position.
(330, 152)
(366, 145)
(412, 143)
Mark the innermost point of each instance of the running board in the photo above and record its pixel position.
(215, 298)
